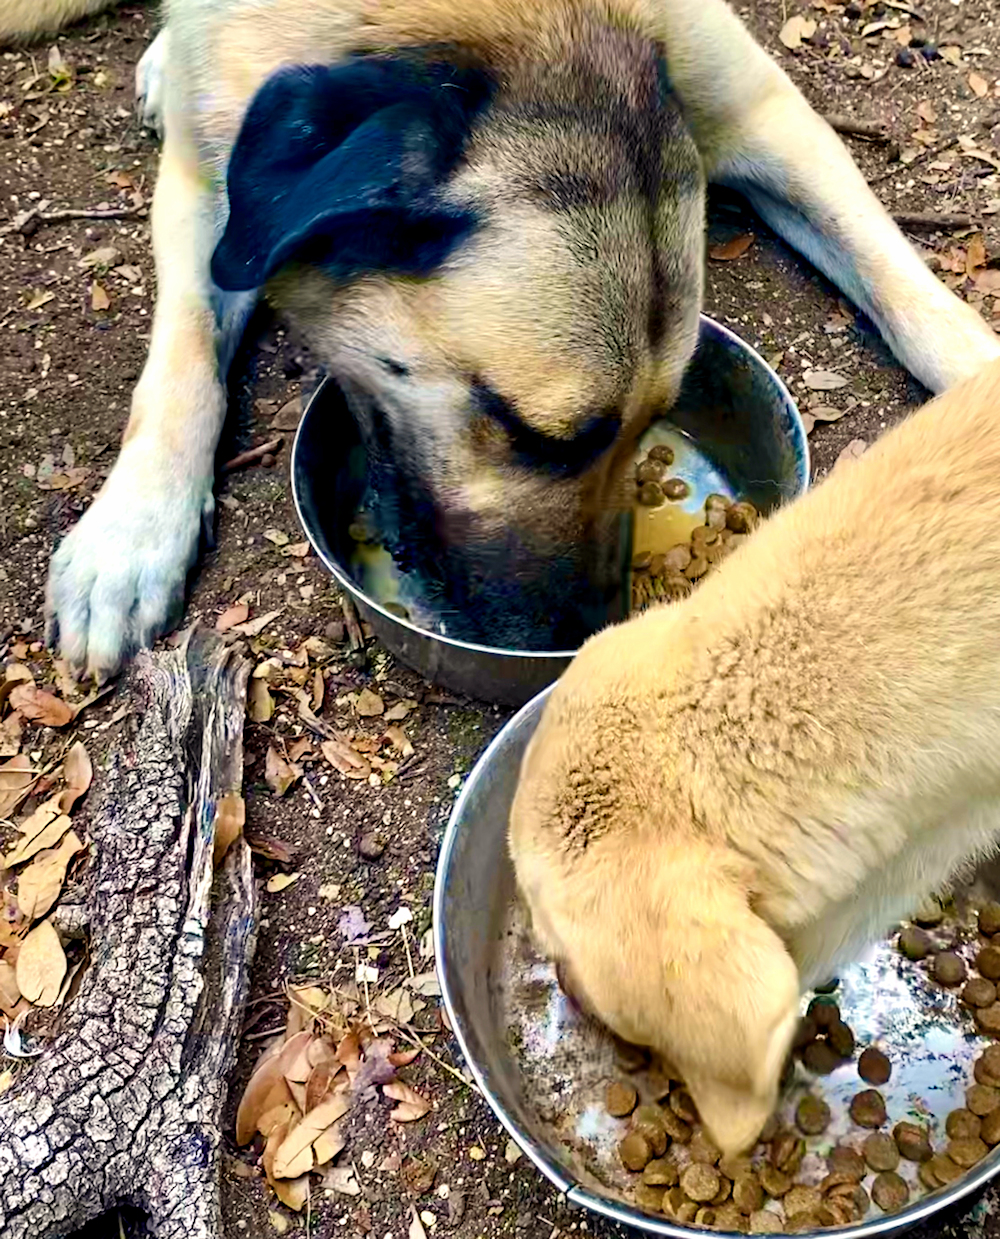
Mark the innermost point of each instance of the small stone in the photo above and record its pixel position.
(948, 968)
(371, 845)
(912, 1141)
(914, 943)
(820, 1058)
(890, 1192)
(989, 919)
(880, 1151)
(634, 1151)
(874, 1067)
(966, 1153)
(988, 963)
(963, 1125)
(978, 992)
(812, 1115)
(620, 1099)
(906, 60)
(660, 1172)
(929, 51)
(988, 1019)
(981, 1099)
(700, 1182)
(868, 1108)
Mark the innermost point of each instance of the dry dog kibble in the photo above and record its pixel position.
(787, 1152)
(914, 943)
(683, 1106)
(987, 1066)
(874, 1067)
(978, 992)
(988, 963)
(840, 1039)
(941, 1170)
(966, 1153)
(634, 1151)
(846, 1163)
(620, 1099)
(677, 558)
(748, 1195)
(948, 968)
(676, 488)
(722, 1195)
(703, 1149)
(677, 1129)
(806, 1031)
(868, 1108)
(651, 495)
(742, 517)
(812, 1116)
(913, 1142)
(989, 1132)
(648, 1122)
(802, 1199)
(823, 1012)
(982, 1098)
(962, 1125)
(880, 1151)
(890, 1192)
(766, 1222)
(649, 1198)
(651, 471)
(821, 1058)
(989, 919)
(700, 1182)
(774, 1181)
(660, 1172)
(988, 1019)
(661, 452)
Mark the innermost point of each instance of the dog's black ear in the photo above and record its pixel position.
(341, 166)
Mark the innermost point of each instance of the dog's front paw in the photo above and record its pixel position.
(117, 579)
(150, 74)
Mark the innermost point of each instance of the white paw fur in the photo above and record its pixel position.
(150, 75)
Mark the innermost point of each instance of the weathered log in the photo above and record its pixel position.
(124, 1106)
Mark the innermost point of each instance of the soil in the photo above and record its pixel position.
(68, 139)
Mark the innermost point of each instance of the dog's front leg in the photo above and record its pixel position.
(118, 578)
(759, 135)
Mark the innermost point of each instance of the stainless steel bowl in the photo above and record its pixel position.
(732, 403)
(534, 1059)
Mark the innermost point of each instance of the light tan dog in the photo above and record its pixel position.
(488, 214)
(727, 798)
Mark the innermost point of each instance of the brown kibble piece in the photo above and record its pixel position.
(804, 1033)
(966, 1153)
(801, 1199)
(620, 1099)
(948, 968)
(989, 1131)
(880, 1151)
(914, 943)
(988, 1019)
(660, 1172)
(989, 919)
(874, 1067)
(978, 992)
(676, 488)
(630, 1057)
(844, 1160)
(649, 1198)
(641, 562)
(823, 1012)
(787, 1152)
(736, 1166)
(703, 1148)
(728, 1217)
(651, 494)
(943, 1169)
(765, 1222)
(912, 1141)
(840, 1039)
(820, 1058)
(987, 1066)
(651, 471)
(722, 1195)
(634, 1151)
(697, 568)
(648, 1122)
(868, 1108)
(661, 451)
(812, 1115)
(683, 1106)
(774, 1181)
(715, 518)
(963, 1125)
(742, 517)
(748, 1195)
(677, 558)
(705, 1217)
(988, 963)
(700, 1182)
(890, 1192)
(981, 1098)
(686, 1212)
(677, 1129)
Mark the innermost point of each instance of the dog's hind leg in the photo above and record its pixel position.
(758, 134)
(150, 83)
(118, 578)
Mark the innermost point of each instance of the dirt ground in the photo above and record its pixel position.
(75, 301)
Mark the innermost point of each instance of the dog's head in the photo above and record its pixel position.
(649, 918)
(502, 266)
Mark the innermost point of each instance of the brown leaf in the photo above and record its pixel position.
(78, 774)
(288, 416)
(295, 1155)
(38, 706)
(300, 748)
(11, 731)
(975, 254)
(99, 299)
(47, 837)
(369, 704)
(267, 1075)
(40, 885)
(345, 758)
(67, 479)
(398, 739)
(291, 1192)
(318, 690)
(41, 965)
(297, 550)
(925, 110)
(328, 1145)
(987, 281)
(341, 1179)
(253, 628)
(824, 380)
(10, 994)
(230, 816)
(795, 30)
(239, 613)
(396, 713)
(260, 703)
(734, 248)
(320, 1083)
(412, 1106)
(280, 882)
(952, 54)
(978, 85)
(15, 778)
(854, 449)
(270, 848)
(279, 774)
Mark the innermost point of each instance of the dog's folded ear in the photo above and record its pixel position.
(342, 166)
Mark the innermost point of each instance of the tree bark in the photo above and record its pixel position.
(124, 1106)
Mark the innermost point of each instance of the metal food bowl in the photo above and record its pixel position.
(732, 404)
(543, 1068)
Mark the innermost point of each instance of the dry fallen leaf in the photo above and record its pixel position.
(398, 739)
(281, 881)
(821, 413)
(411, 1105)
(260, 703)
(295, 1155)
(279, 774)
(951, 53)
(369, 704)
(291, 1192)
(345, 758)
(269, 1074)
(978, 85)
(253, 628)
(78, 773)
(41, 965)
(39, 886)
(925, 110)
(99, 299)
(230, 817)
(341, 1179)
(10, 994)
(232, 616)
(11, 732)
(396, 713)
(795, 30)
(270, 848)
(38, 706)
(47, 837)
(416, 1230)
(289, 415)
(732, 249)
(987, 281)
(15, 778)
(824, 380)
(854, 449)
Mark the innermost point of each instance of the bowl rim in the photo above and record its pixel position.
(605, 1206)
(800, 442)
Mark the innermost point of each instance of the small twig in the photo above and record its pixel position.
(857, 128)
(312, 792)
(354, 633)
(406, 948)
(409, 1034)
(267, 1032)
(254, 454)
(933, 219)
(26, 222)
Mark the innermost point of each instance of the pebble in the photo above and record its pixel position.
(906, 60)
(371, 845)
